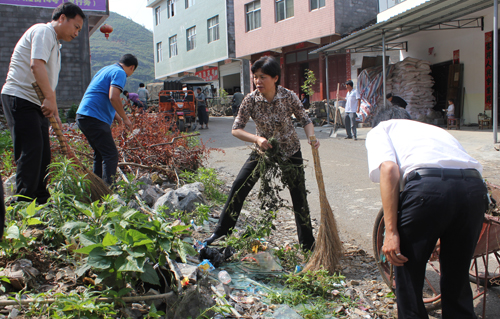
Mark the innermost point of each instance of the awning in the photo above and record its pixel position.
(430, 15)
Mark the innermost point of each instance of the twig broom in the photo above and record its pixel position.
(98, 188)
(328, 247)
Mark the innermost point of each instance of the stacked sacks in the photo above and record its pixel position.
(411, 80)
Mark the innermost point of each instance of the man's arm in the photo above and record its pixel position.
(359, 105)
(116, 102)
(389, 191)
(49, 106)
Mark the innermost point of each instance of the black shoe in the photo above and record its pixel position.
(212, 238)
(347, 137)
(355, 138)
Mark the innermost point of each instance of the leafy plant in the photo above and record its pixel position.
(124, 246)
(308, 83)
(66, 179)
(5, 141)
(291, 256)
(223, 96)
(316, 283)
(71, 114)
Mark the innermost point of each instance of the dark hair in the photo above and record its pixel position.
(349, 83)
(70, 10)
(451, 100)
(268, 65)
(141, 85)
(125, 92)
(389, 114)
(389, 95)
(237, 90)
(129, 60)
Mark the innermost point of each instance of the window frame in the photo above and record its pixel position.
(317, 3)
(283, 5)
(189, 3)
(251, 16)
(159, 52)
(191, 39)
(172, 45)
(213, 29)
(157, 15)
(171, 8)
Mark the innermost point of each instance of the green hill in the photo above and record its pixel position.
(127, 37)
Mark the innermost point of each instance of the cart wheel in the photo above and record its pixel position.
(432, 294)
(477, 270)
(182, 126)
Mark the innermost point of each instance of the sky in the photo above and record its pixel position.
(135, 10)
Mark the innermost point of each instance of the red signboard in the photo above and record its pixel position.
(488, 70)
(456, 57)
(211, 74)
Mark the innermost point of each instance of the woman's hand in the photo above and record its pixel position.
(316, 143)
(263, 143)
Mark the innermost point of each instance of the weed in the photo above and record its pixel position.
(292, 256)
(199, 215)
(67, 180)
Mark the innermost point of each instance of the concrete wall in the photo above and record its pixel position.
(470, 42)
(75, 70)
(204, 53)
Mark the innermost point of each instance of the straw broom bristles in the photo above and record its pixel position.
(98, 188)
(328, 248)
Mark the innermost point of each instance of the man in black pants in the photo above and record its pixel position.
(36, 57)
(100, 105)
(443, 202)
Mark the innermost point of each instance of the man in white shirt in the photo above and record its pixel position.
(36, 57)
(352, 104)
(443, 200)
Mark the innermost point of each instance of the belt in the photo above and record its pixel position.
(443, 173)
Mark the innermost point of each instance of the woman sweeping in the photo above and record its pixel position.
(271, 107)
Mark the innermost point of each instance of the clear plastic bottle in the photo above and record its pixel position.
(224, 277)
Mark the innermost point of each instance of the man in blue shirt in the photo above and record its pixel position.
(100, 105)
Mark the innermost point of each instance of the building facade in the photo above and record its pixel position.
(75, 72)
(196, 37)
(290, 29)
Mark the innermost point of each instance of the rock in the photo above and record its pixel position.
(134, 205)
(145, 182)
(183, 198)
(9, 187)
(131, 313)
(118, 199)
(149, 195)
(195, 301)
(21, 274)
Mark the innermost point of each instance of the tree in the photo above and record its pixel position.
(309, 82)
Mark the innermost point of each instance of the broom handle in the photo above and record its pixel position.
(317, 169)
(60, 137)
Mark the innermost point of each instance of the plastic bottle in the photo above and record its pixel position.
(224, 277)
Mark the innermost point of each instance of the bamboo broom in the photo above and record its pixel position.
(328, 247)
(98, 188)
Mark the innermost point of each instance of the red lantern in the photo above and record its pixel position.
(106, 29)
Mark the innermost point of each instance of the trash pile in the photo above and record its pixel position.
(411, 80)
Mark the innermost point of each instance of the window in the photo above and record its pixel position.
(189, 3)
(157, 15)
(191, 38)
(316, 4)
(172, 42)
(213, 29)
(253, 15)
(284, 9)
(171, 8)
(159, 52)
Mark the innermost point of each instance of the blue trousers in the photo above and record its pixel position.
(98, 133)
(449, 209)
